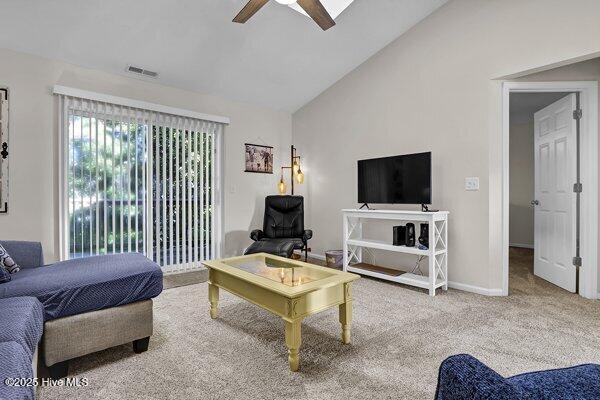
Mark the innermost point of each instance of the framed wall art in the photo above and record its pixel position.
(4, 150)
(259, 158)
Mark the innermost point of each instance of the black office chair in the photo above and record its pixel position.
(283, 225)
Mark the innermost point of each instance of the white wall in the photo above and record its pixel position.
(434, 88)
(33, 207)
(522, 175)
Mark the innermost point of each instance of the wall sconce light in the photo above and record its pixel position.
(296, 173)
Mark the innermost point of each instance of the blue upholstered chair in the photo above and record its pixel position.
(463, 377)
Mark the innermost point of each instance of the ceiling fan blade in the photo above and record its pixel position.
(317, 12)
(249, 10)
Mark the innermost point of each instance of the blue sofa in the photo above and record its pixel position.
(463, 377)
(86, 304)
(21, 325)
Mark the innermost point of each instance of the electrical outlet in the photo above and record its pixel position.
(472, 183)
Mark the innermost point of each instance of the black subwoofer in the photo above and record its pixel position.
(404, 235)
(399, 235)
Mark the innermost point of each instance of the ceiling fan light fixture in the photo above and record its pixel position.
(313, 8)
(333, 7)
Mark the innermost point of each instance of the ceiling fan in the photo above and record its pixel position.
(313, 8)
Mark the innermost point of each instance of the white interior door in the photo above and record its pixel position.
(555, 174)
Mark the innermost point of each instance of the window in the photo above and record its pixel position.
(135, 180)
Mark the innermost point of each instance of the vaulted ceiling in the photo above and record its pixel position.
(278, 59)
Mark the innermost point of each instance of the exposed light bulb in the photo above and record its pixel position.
(286, 2)
(296, 167)
(281, 186)
(300, 176)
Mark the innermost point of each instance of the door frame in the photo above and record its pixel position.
(588, 277)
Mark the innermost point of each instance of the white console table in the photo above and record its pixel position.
(437, 254)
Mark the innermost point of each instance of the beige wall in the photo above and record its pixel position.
(522, 175)
(33, 132)
(434, 89)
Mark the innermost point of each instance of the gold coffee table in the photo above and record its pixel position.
(288, 288)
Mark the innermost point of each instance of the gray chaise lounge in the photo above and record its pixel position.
(90, 304)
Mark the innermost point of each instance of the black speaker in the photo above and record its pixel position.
(399, 235)
(424, 235)
(410, 235)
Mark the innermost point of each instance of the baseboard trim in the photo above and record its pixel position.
(454, 285)
(312, 255)
(317, 256)
(521, 245)
(475, 289)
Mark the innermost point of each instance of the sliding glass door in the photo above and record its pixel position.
(138, 181)
(106, 185)
(183, 171)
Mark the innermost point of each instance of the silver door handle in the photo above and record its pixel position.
(535, 202)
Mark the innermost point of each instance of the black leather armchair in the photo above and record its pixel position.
(284, 222)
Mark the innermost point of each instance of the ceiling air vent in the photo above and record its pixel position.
(142, 71)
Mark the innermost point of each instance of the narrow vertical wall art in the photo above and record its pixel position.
(4, 150)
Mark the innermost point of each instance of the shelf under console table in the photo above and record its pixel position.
(437, 253)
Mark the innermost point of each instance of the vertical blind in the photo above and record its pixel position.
(135, 180)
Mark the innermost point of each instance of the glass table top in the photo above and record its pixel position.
(279, 271)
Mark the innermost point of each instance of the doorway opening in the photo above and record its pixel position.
(543, 220)
(550, 184)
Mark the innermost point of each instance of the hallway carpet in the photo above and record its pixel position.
(399, 338)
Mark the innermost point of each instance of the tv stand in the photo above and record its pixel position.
(437, 253)
(365, 205)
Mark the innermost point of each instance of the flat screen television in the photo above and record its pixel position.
(404, 179)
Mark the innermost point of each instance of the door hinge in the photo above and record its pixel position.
(577, 261)
(577, 187)
(577, 114)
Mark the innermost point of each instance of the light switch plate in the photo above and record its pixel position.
(472, 183)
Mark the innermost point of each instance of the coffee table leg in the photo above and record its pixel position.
(293, 340)
(346, 320)
(213, 297)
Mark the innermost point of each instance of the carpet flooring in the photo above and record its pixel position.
(399, 337)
